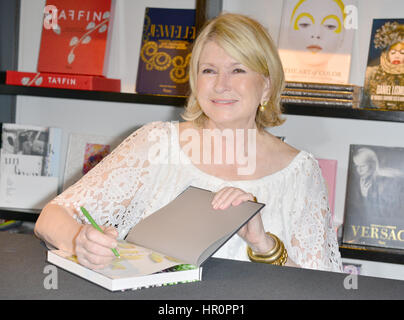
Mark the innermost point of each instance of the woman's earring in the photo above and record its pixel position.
(262, 106)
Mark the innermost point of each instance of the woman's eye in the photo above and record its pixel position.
(238, 70)
(207, 71)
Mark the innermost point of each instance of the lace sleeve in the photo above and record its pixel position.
(313, 240)
(115, 191)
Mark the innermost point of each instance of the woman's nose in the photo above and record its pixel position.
(222, 82)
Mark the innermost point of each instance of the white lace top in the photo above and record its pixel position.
(149, 169)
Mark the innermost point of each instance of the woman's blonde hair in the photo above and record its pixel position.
(246, 41)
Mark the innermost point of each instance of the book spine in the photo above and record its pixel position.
(62, 81)
(52, 158)
(319, 94)
(319, 102)
(319, 86)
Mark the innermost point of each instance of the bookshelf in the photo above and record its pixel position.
(353, 252)
(289, 109)
(292, 109)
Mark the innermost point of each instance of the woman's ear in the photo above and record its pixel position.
(266, 93)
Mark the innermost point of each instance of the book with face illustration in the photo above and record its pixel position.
(316, 38)
(374, 200)
(384, 77)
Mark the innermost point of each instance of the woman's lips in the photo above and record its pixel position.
(224, 102)
(314, 48)
(396, 62)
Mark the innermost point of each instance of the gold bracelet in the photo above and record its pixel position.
(277, 256)
(272, 251)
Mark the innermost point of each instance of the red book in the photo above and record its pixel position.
(75, 37)
(64, 81)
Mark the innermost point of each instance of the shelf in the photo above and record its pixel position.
(292, 109)
(92, 95)
(19, 214)
(372, 254)
(340, 112)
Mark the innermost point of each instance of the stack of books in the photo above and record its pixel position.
(322, 94)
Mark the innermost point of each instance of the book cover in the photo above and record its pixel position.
(62, 81)
(24, 139)
(315, 40)
(29, 165)
(165, 51)
(137, 268)
(75, 37)
(329, 170)
(84, 152)
(375, 197)
(192, 230)
(384, 78)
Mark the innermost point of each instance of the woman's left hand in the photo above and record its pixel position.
(253, 232)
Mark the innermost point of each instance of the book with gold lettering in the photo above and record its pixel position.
(384, 79)
(375, 197)
(165, 51)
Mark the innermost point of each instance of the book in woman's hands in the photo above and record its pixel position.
(181, 235)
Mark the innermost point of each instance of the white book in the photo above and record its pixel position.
(23, 192)
(20, 164)
(186, 231)
(316, 39)
(122, 275)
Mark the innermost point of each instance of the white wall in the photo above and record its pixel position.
(324, 137)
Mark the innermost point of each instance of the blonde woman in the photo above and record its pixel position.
(236, 79)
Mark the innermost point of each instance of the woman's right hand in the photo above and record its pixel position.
(93, 248)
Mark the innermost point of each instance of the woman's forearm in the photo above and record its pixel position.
(57, 227)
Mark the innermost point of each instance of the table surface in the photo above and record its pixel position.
(23, 262)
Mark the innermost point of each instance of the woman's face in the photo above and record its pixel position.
(227, 91)
(396, 54)
(316, 30)
(364, 167)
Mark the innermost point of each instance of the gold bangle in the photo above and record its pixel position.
(272, 251)
(276, 257)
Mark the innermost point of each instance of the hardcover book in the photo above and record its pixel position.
(315, 40)
(29, 165)
(75, 37)
(375, 197)
(185, 231)
(165, 51)
(384, 79)
(63, 81)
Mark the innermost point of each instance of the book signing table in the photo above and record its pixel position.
(24, 271)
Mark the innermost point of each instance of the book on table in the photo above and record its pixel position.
(181, 235)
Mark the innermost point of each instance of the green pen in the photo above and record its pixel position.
(95, 225)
